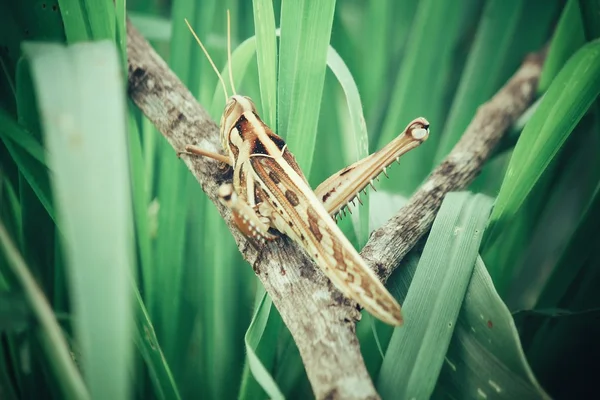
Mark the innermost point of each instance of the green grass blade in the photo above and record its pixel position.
(479, 81)
(421, 85)
(240, 61)
(51, 336)
(305, 32)
(416, 351)
(266, 57)
(88, 19)
(152, 27)
(82, 107)
(168, 258)
(38, 228)
(36, 175)
(290, 373)
(194, 71)
(74, 19)
(568, 37)
(10, 208)
(120, 14)
(356, 143)
(9, 389)
(101, 18)
(572, 179)
(11, 130)
(139, 195)
(376, 41)
(260, 351)
(149, 347)
(214, 322)
(567, 99)
(590, 13)
(223, 320)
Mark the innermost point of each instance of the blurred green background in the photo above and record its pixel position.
(118, 279)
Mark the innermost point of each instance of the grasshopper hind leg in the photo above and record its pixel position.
(344, 186)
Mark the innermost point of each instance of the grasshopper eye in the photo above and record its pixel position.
(251, 103)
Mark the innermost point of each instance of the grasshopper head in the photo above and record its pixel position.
(235, 109)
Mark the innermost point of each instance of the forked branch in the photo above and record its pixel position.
(319, 318)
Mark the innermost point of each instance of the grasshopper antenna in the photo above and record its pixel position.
(209, 59)
(229, 51)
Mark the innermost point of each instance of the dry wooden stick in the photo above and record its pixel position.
(319, 318)
(390, 243)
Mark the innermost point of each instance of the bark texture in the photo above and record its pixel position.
(319, 318)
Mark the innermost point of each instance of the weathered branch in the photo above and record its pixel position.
(390, 243)
(319, 318)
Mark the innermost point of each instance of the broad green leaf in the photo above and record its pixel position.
(528, 321)
(485, 358)
(86, 139)
(565, 370)
(415, 355)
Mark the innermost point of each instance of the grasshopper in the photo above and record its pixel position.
(270, 194)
